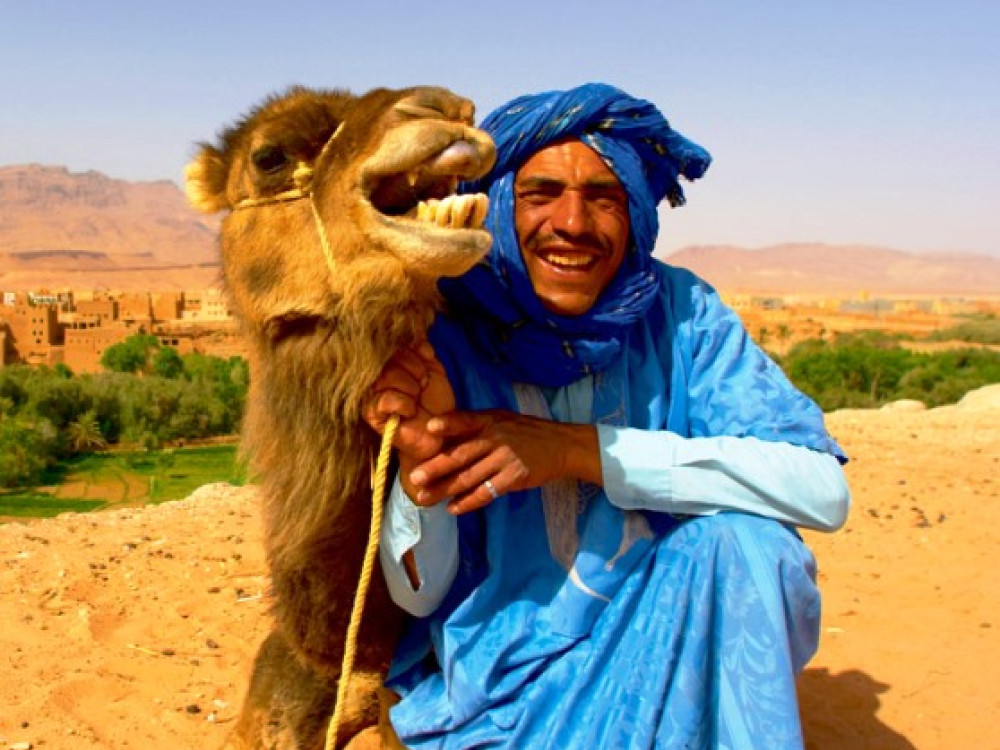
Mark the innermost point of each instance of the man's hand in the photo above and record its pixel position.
(413, 385)
(470, 458)
(489, 453)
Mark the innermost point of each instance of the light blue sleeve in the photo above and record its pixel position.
(432, 535)
(662, 471)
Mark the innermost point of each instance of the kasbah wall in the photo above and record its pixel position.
(76, 328)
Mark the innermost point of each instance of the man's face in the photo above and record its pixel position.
(571, 216)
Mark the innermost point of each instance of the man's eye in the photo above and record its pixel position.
(610, 204)
(537, 197)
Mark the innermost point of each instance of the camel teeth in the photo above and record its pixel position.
(412, 178)
(479, 209)
(454, 211)
(444, 209)
(462, 210)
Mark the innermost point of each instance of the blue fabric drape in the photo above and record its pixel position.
(666, 632)
(496, 299)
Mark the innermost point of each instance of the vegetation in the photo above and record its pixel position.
(131, 355)
(52, 421)
(99, 480)
(150, 396)
(871, 368)
(977, 329)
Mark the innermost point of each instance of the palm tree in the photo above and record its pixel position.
(85, 433)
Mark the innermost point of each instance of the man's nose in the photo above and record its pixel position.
(571, 214)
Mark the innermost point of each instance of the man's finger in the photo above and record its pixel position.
(426, 352)
(388, 403)
(463, 475)
(505, 478)
(412, 360)
(401, 379)
(458, 423)
(454, 471)
(380, 406)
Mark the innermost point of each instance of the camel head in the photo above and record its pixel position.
(336, 200)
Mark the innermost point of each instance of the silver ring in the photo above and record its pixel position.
(492, 490)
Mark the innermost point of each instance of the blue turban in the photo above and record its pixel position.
(495, 301)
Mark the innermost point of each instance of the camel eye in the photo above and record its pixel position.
(269, 159)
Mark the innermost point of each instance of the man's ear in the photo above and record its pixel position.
(205, 180)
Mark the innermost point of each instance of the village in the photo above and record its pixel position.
(75, 328)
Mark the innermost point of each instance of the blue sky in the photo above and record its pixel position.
(842, 121)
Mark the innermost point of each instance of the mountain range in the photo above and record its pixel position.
(62, 229)
(841, 270)
(79, 230)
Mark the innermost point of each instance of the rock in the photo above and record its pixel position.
(986, 398)
(905, 404)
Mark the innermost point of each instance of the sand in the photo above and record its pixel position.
(136, 628)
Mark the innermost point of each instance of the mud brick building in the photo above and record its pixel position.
(42, 329)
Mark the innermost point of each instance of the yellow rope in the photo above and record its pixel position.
(350, 647)
(288, 195)
(323, 240)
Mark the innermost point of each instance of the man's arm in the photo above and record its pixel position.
(664, 472)
(639, 469)
(418, 552)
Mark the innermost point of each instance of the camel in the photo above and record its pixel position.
(341, 219)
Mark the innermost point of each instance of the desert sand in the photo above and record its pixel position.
(136, 628)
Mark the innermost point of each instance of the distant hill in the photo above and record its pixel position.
(88, 226)
(841, 270)
(79, 230)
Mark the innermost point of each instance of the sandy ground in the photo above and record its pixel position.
(136, 628)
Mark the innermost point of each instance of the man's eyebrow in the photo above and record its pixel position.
(539, 181)
(591, 183)
(604, 184)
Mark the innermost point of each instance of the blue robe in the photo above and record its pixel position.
(575, 624)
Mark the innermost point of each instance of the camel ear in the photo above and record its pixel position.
(205, 181)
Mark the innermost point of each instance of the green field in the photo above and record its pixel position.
(96, 481)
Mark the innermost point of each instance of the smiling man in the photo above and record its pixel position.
(571, 215)
(599, 471)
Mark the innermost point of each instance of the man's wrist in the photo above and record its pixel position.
(583, 453)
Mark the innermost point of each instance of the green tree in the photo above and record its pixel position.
(24, 454)
(978, 328)
(6, 407)
(167, 363)
(54, 398)
(13, 379)
(864, 370)
(131, 355)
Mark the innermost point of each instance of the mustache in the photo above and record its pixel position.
(592, 242)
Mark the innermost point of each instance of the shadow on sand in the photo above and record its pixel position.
(838, 712)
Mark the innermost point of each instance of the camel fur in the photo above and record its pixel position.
(376, 175)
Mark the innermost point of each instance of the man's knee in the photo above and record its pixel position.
(748, 538)
(759, 565)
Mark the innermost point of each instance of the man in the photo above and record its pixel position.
(599, 471)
